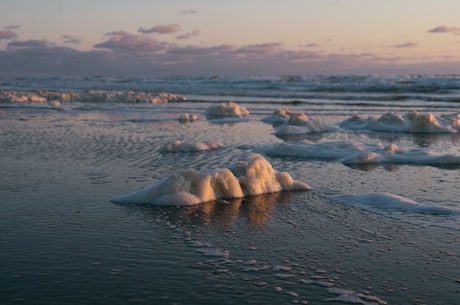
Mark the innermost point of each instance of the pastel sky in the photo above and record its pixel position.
(238, 37)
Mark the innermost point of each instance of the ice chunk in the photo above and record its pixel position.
(191, 187)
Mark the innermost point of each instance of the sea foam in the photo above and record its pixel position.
(357, 153)
(178, 146)
(43, 96)
(387, 201)
(230, 109)
(190, 187)
(411, 122)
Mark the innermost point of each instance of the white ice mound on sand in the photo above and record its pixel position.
(230, 109)
(412, 122)
(178, 146)
(191, 187)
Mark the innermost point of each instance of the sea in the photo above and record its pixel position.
(380, 223)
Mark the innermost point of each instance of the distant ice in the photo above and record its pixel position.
(357, 153)
(178, 146)
(230, 109)
(191, 187)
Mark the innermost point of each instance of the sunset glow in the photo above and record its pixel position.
(234, 38)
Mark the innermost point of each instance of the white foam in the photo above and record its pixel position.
(188, 117)
(355, 153)
(278, 116)
(178, 146)
(387, 201)
(411, 122)
(351, 297)
(300, 123)
(230, 109)
(309, 150)
(43, 96)
(191, 187)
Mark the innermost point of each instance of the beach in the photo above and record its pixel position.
(384, 231)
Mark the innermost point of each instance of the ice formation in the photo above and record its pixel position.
(412, 122)
(178, 146)
(356, 153)
(43, 96)
(191, 187)
(230, 109)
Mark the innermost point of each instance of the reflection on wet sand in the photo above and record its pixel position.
(256, 209)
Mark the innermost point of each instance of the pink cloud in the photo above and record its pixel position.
(30, 44)
(161, 29)
(124, 53)
(122, 41)
(445, 29)
(70, 39)
(405, 45)
(189, 35)
(7, 34)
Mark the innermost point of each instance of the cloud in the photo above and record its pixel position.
(405, 45)
(189, 35)
(7, 34)
(123, 53)
(12, 27)
(121, 41)
(67, 39)
(161, 29)
(30, 44)
(187, 12)
(445, 29)
(310, 45)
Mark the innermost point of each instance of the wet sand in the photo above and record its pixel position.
(64, 242)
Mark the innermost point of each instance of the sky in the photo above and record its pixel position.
(238, 37)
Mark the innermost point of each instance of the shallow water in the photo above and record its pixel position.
(64, 242)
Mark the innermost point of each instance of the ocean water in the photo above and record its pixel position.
(381, 224)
